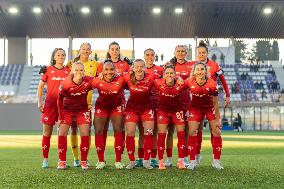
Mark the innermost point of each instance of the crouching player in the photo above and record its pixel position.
(72, 104)
(204, 103)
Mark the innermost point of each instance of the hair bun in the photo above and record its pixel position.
(202, 43)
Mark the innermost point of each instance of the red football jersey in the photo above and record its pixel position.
(202, 96)
(170, 97)
(139, 99)
(75, 95)
(158, 70)
(120, 66)
(184, 71)
(110, 93)
(53, 78)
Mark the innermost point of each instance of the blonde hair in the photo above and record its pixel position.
(75, 64)
(132, 75)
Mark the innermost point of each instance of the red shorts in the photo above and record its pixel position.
(102, 112)
(147, 115)
(199, 115)
(176, 118)
(49, 115)
(82, 117)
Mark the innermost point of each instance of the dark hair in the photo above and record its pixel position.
(77, 58)
(202, 44)
(173, 61)
(149, 49)
(108, 61)
(112, 43)
(194, 67)
(52, 61)
(132, 75)
(169, 66)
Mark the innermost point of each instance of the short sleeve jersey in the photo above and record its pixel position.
(139, 99)
(202, 96)
(169, 96)
(75, 95)
(53, 78)
(110, 93)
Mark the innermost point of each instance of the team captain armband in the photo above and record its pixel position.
(220, 72)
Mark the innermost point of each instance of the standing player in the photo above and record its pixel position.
(53, 76)
(215, 72)
(109, 105)
(90, 70)
(151, 68)
(139, 108)
(170, 110)
(121, 67)
(183, 70)
(72, 105)
(204, 102)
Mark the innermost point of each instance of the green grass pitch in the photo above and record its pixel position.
(251, 160)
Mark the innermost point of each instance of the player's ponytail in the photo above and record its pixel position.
(202, 44)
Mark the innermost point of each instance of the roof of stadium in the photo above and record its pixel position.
(202, 18)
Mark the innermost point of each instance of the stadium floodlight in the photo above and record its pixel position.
(37, 10)
(12, 93)
(156, 10)
(267, 10)
(107, 10)
(85, 10)
(6, 93)
(13, 10)
(178, 10)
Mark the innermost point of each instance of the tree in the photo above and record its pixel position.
(240, 50)
(274, 51)
(262, 50)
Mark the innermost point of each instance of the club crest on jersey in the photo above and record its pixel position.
(45, 118)
(192, 87)
(60, 88)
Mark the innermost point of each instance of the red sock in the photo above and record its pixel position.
(99, 141)
(62, 148)
(169, 152)
(154, 153)
(104, 138)
(123, 141)
(84, 147)
(192, 143)
(161, 145)
(199, 141)
(130, 146)
(217, 147)
(140, 153)
(118, 146)
(148, 145)
(45, 145)
(181, 143)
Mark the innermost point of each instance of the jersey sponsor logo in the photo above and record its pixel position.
(169, 95)
(109, 92)
(199, 95)
(57, 78)
(78, 94)
(138, 89)
(192, 87)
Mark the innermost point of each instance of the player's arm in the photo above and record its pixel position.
(39, 95)
(62, 92)
(225, 86)
(217, 112)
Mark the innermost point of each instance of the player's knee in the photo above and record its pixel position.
(216, 131)
(193, 132)
(149, 131)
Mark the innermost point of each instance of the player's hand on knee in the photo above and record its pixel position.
(40, 106)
